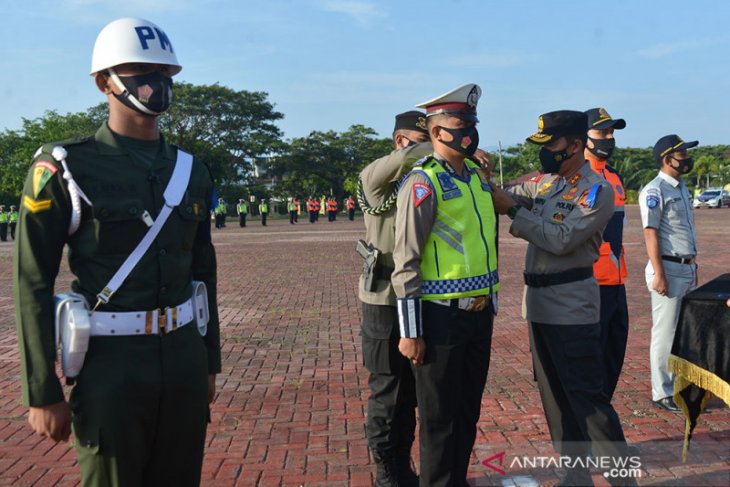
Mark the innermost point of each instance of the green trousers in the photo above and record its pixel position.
(140, 410)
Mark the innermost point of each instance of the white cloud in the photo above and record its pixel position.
(364, 13)
(662, 49)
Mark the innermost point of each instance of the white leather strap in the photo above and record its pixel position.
(173, 195)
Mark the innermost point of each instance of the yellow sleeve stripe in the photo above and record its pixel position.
(35, 206)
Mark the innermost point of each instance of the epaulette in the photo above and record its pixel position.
(422, 161)
(536, 179)
(48, 148)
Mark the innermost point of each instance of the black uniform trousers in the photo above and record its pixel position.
(614, 334)
(391, 423)
(3, 232)
(568, 365)
(12, 229)
(449, 388)
(312, 216)
(292, 217)
(242, 219)
(351, 214)
(263, 218)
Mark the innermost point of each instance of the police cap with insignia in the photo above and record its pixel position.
(460, 102)
(552, 125)
(411, 120)
(670, 143)
(599, 119)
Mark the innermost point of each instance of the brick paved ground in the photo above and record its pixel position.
(292, 395)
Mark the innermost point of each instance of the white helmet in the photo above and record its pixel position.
(131, 40)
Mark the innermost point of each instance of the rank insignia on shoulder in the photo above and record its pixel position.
(575, 179)
(535, 179)
(421, 191)
(35, 206)
(43, 171)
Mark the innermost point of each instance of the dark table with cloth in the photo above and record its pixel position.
(701, 351)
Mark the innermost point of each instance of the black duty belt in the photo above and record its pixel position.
(679, 260)
(564, 277)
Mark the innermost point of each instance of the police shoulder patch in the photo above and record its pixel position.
(421, 191)
(652, 201)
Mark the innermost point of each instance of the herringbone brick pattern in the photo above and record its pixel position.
(291, 399)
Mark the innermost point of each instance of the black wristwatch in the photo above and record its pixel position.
(512, 212)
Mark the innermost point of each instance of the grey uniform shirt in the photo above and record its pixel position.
(379, 181)
(666, 206)
(564, 229)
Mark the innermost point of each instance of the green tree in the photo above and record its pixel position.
(18, 147)
(228, 129)
(327, 162)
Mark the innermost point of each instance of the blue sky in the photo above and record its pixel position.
(664, 66)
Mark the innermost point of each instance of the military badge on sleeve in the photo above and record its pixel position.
(43, 171)
(421, 191)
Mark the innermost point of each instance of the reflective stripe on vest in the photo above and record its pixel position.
(610, 268)
(459, 258)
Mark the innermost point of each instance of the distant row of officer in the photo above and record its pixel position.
(8, 220)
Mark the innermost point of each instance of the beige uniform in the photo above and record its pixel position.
(379, 181)
(411, 237)
(563, 228)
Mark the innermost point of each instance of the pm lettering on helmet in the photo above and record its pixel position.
(146, 33)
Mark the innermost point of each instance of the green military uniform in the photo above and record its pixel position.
(13, 221)
(140, 402)
(4, 218)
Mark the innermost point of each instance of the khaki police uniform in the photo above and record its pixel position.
(453, 316)
(562, 220)
(391, 421)
(666, 205)
(140, 402)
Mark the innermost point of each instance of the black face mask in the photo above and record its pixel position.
(551, 161)
(602, 148)
(152, 91)
(464, 140)
(683, 165)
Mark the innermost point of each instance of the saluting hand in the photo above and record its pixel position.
(414, 349)
(52, 421)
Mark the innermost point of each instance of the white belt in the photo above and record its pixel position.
(156, 322)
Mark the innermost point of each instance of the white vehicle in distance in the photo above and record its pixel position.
(713, 198)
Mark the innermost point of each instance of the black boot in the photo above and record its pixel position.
(406, 476)
(387, 470)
